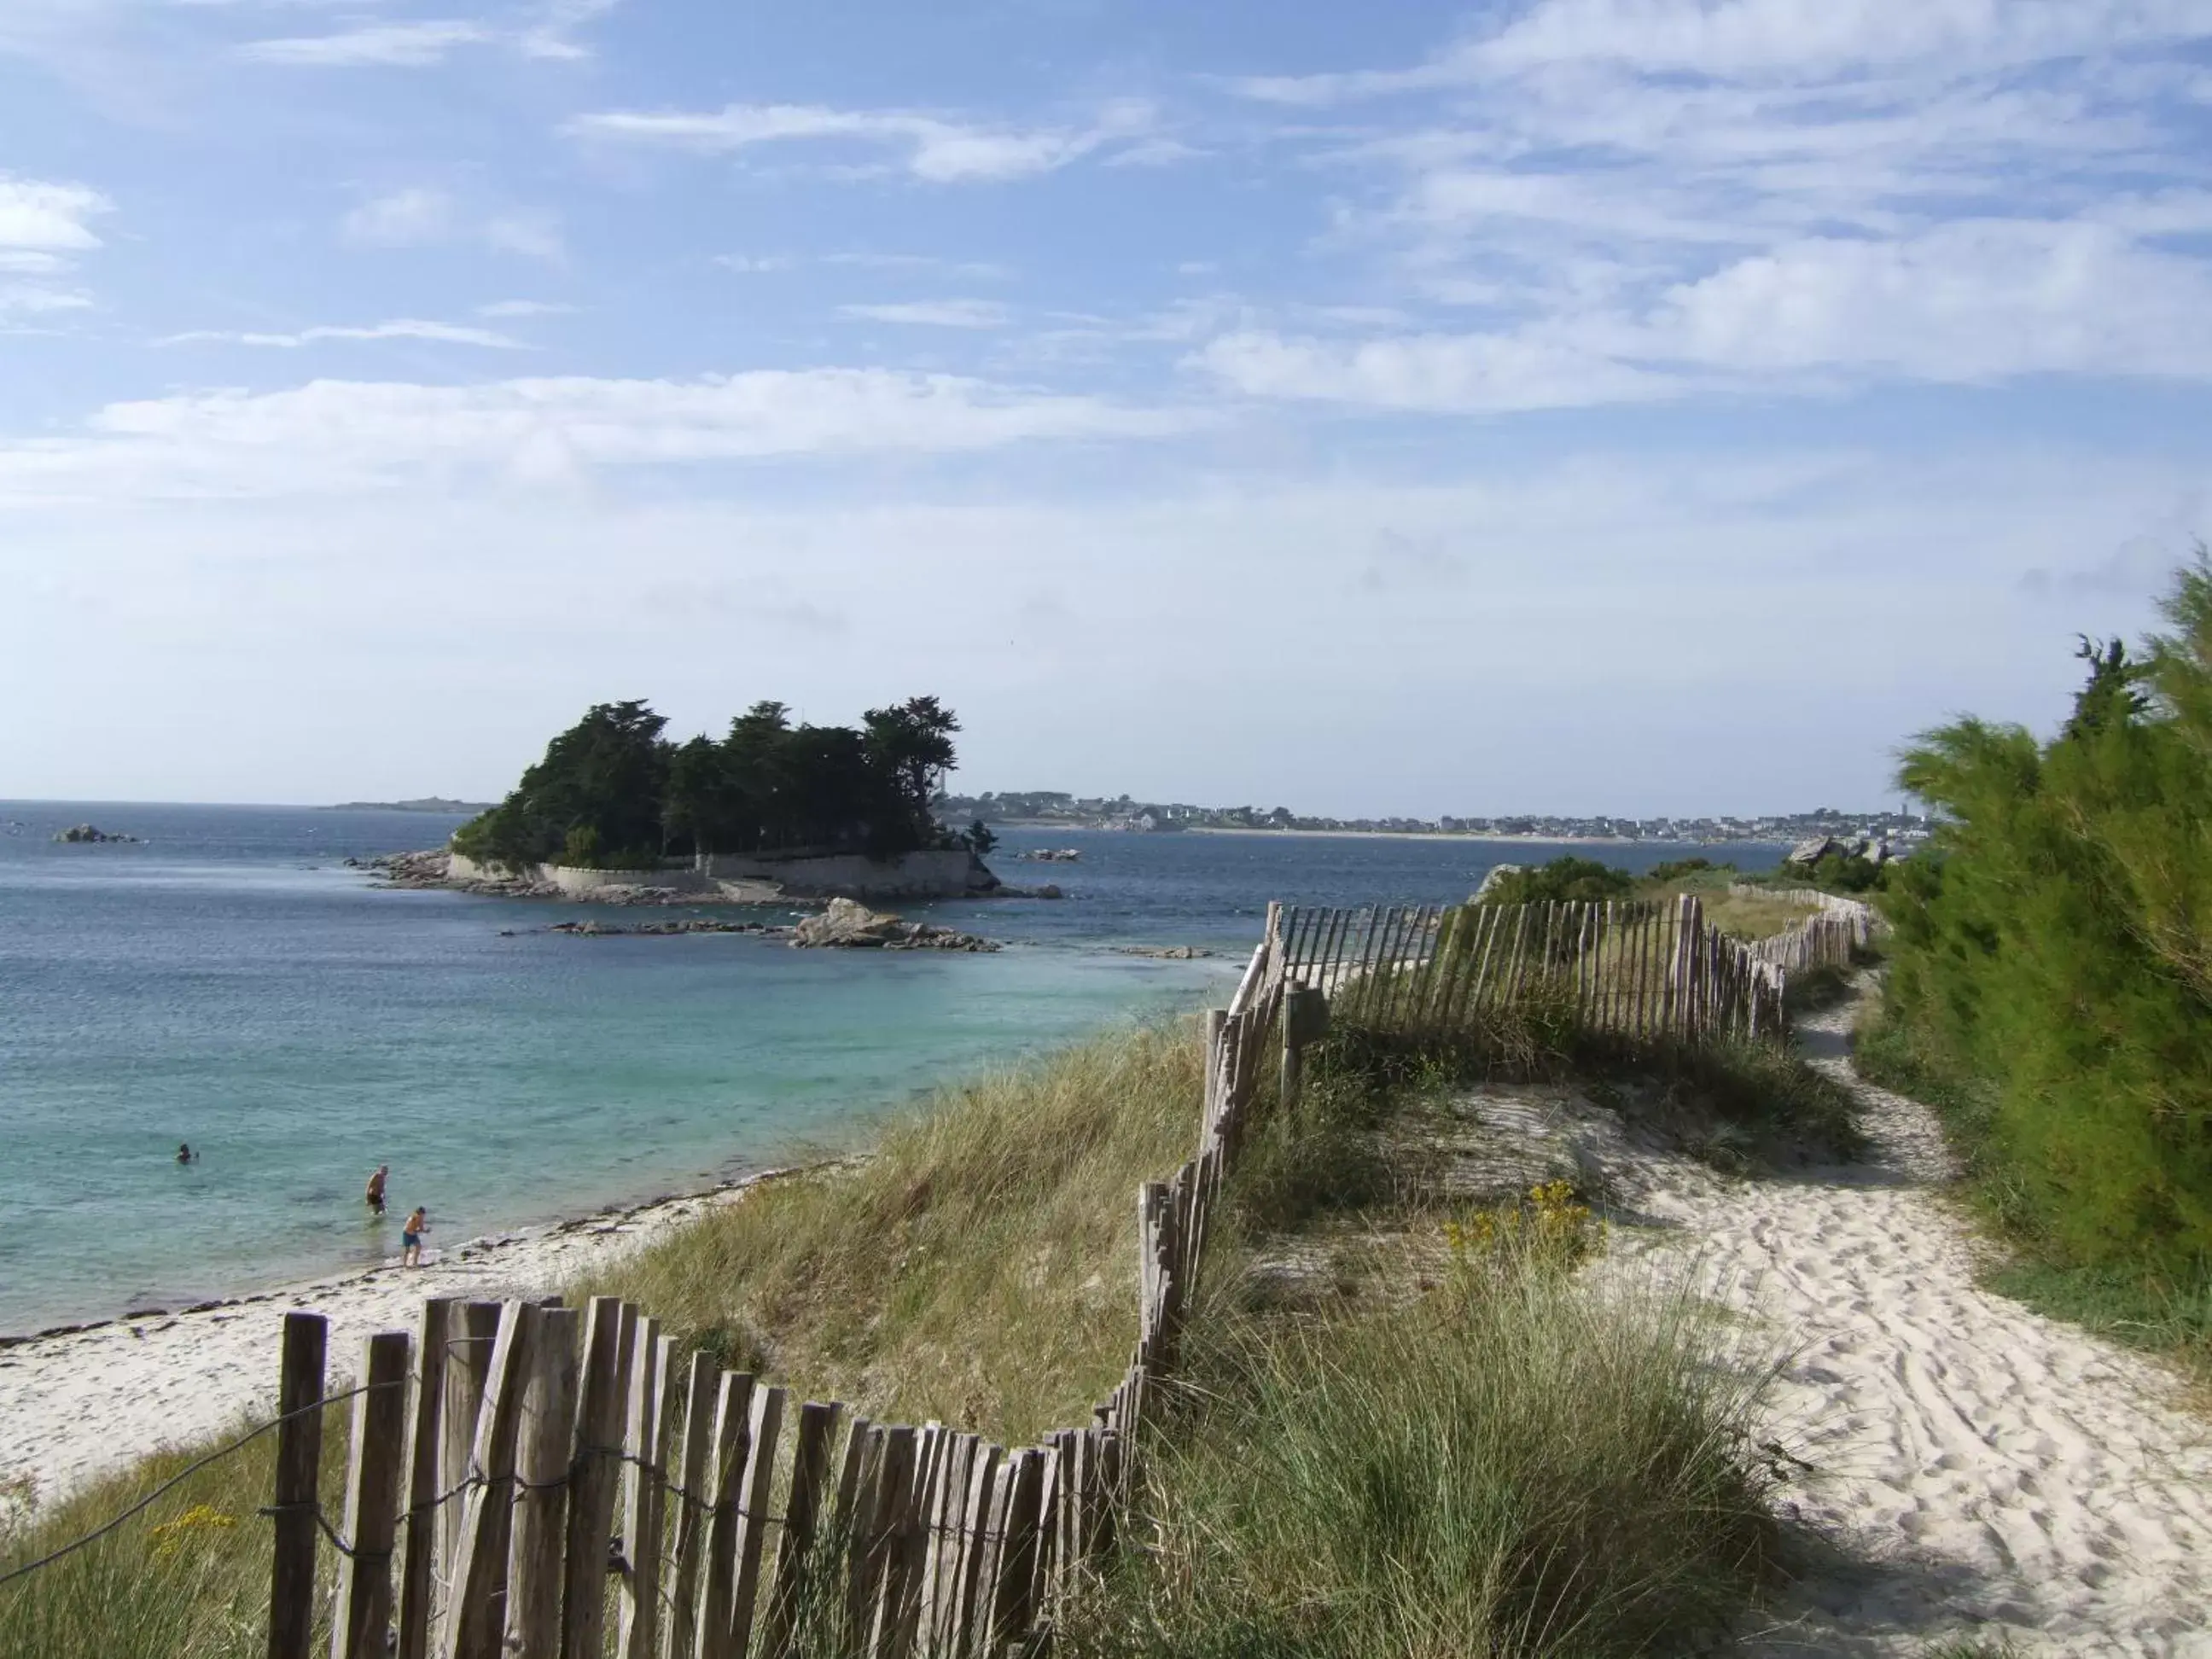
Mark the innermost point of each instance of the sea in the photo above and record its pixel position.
(227, 981)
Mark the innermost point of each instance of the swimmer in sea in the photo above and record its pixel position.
(185, 1154)
(411, 1238)
(374, 1196)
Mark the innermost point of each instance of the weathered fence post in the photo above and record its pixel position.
(299, 1464)
(725, 1464)
(609, 1327)
(416, 1576)
(691, 1503)
(645, 1493)
(766, 1430)
(802, 1511)
(541, 1503)
(363, 1616)
(474, 1605)
(470, 1340)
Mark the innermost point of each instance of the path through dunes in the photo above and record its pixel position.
(1983, 1471)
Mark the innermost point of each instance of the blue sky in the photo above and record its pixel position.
(1639, 405)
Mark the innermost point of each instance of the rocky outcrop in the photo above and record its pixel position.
(1053, 854)
(1811, 850)
(86, 835)
(666, 929)
(1164, 952)
(849, 926)
(1495, 876)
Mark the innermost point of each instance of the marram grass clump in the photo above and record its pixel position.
(1522, 1461)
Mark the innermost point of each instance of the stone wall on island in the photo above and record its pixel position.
(938, 874)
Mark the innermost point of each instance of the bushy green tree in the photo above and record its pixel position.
(2056, 942)
(612, 792)
(597, 796)
(1568, 880)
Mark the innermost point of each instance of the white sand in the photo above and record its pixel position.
(73, 1407)
(1981, 1471)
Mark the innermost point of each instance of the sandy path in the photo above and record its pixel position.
(74, 1407)
(1984, 1471)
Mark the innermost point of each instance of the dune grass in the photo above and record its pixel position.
(187, 1579)
(978, 1267)
(1448, 1441)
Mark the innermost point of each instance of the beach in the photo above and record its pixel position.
(81, 1404)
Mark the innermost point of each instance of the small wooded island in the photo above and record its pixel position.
(772, 809)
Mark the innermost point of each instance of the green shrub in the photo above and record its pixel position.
(1570, 880)
(1675, 870)
(2056, 942)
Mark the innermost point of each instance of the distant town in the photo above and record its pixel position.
(1056, 809)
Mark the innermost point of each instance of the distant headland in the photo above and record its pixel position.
(426, 804)
(1051, 809)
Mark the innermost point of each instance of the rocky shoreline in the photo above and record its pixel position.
(842, 925)
(433, 868)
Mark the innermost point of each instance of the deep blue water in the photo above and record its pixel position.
(230, 983)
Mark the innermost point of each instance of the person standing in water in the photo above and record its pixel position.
(411, 1238)
(374, 1196)
(185, 1154)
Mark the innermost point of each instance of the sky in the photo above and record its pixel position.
(1640, 406)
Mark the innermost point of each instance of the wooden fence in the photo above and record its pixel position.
(1647, 970)
(533, 1480)
(1832, 937)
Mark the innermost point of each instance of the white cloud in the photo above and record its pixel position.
(934, 313)
(1769, 37)
(402, 219)
(421, 215)
(39, 214)
(935, 264)
(552, 36)
(525, 308)
(1978, 300)
(1653, 197)
(1973, 302)
(396, 45)
(1755, 39)
(1434, 373)
(934, 149)
(402, 328)
(44, 225)
(25, 297)
(535, 235)
(344, 435)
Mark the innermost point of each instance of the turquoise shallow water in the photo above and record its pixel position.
(230, 983)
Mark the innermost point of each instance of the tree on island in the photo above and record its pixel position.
(612, 793)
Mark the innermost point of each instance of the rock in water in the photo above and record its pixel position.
(847, 925)
(89, 835)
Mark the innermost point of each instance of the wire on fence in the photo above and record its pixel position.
(179, 1479)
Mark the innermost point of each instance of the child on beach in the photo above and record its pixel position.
(411, 1238)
